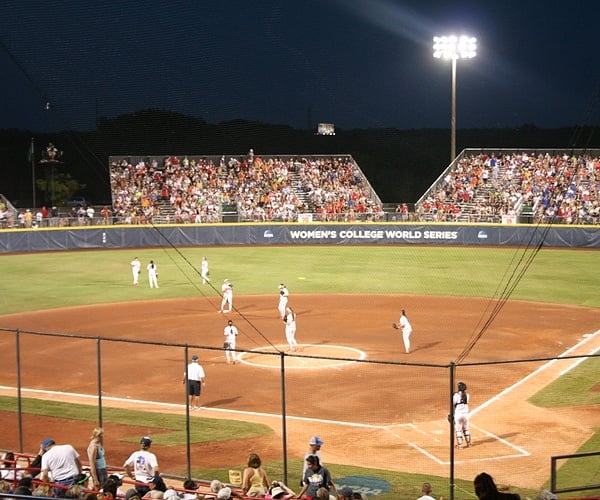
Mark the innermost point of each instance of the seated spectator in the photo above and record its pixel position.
(22, 490)
(74, 491)
(485, 488)
(280, 490)
(426, 492)
(215, 486)
(42, 490)
(224, 493)
(5, 486)
(132, 494)
(255, 482)
(190, 486)
(345, 493)
(8, 466)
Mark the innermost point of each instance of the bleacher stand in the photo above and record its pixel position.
(538, 187)
(262, 189)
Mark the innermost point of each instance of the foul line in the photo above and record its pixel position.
(178, 406)
(540, 370)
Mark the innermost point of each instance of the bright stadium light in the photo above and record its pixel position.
(454, 48)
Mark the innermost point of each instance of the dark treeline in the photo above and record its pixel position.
(400, 164)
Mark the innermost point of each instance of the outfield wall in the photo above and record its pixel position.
(29, 240)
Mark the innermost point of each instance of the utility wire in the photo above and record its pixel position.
(245, 318)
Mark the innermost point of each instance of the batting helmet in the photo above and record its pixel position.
(462, 386)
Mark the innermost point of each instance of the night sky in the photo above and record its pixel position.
(354, 63)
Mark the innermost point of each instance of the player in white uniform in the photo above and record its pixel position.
(290, 328)
(460, 401)
(152, 274)
(204, 271)
(283, 300)
(227, 290)
(136, 267)
(406, 328)
(230, 332)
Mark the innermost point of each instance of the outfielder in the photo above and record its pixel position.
(230, 332)
(227, 290)
(136, 268)
(152, 274)
(204, 271)
(460, 401)
(283, 299)
(290, 328)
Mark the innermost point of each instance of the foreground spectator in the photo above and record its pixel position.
(61, 462)
(142, 466)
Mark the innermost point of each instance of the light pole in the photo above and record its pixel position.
(454, 47)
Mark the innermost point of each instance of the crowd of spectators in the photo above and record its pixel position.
(260, 188)
(561, 188)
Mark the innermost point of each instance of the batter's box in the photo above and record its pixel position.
(432, 439)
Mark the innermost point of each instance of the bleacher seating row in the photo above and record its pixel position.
(18, 466)
(509, 186)
(204, 189)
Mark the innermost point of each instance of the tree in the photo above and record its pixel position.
(58, 187)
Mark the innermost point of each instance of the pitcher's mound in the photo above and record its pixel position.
(306, 356)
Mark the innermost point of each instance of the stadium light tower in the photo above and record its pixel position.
(454, 47)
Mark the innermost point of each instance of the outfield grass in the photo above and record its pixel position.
(62, 279)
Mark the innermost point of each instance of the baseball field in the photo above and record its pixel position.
(515, 322)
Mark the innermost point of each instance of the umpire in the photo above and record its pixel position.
(195, 377)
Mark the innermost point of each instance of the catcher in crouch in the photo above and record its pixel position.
(406, 328)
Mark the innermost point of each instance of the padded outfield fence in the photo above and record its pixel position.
(425, 429)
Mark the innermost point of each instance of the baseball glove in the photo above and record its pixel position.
(395, 326)
(226, 345)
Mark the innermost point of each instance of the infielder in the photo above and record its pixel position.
(406, 328)
(230, 332)
(136, 269)
(204, 271)
(227, 291)
(152, 274)
(460, 401)
(290, 328)
(283, 299)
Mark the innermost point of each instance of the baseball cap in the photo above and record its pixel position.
(346, 492)
(275, 492)
(146, 441)
(47, 442)
(195, 357)
(224, 493)
(282, 285)
(316, 440)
